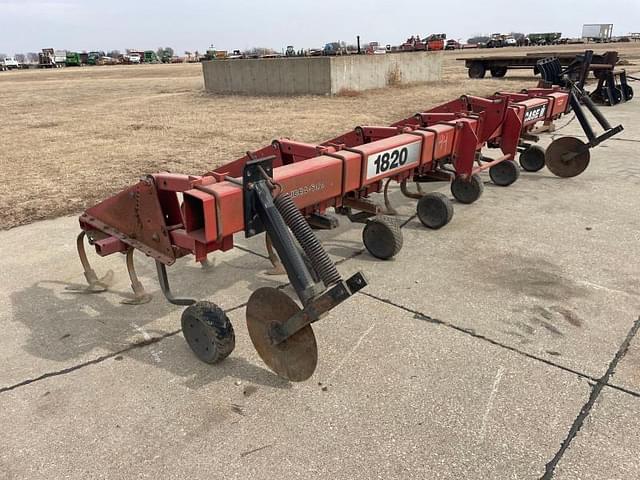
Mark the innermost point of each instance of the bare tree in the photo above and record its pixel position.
(33, 57)
(3, 56)
(20, 57)
(114, 54)
(164, 52)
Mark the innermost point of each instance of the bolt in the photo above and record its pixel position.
(155, 237)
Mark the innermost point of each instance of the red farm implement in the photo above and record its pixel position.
(286, 187)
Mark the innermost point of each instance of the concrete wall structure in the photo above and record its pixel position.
(320, 75)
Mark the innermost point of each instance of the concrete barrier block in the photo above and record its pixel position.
(320, 75)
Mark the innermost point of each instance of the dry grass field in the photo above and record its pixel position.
(71, 137)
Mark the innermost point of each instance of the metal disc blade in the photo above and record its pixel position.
(562, 160)
(294, 359)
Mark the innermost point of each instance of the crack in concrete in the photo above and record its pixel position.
(94, 361)
(144, 343)
(586, 409)
(422, 317)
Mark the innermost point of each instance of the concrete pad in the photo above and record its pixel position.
(607, 444)
(48, 328)
(394, 396)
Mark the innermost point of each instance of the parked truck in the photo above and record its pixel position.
(435, 41)
(452, 45)
(334, 48)
(94, 57)
(131, 58)
(497, 40)
(73, 59)
(150, 57)
(413, 44)
(60, 57)
(167, 57)
(48, 59)
(10, 63)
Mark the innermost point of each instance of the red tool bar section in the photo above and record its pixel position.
(213, 214)
(317, 177)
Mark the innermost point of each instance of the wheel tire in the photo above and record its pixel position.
(532, 159)
(434, 210)
(208, 332)
(504, 173)
(382, 237)
(477, 70)
(469, 190)
(628, 91)
(498, 72)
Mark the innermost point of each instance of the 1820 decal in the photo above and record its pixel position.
(388, 161)
(397, 158)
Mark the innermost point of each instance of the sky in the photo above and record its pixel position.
(30, 25)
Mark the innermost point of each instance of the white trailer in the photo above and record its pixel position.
(597, 32)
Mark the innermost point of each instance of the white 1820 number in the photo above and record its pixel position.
(389, 161)
(396, 158)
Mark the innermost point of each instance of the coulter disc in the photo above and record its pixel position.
(294, 359)
(565, 157)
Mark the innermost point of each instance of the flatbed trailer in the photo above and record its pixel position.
(499, 65)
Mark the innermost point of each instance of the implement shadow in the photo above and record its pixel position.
(65, 326)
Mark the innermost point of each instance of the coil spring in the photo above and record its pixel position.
(312, 247)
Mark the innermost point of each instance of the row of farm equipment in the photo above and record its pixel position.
(51, 58)
(416, 43)
(288, 186)
(76, 59)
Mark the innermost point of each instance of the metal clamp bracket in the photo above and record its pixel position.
(318, 308)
